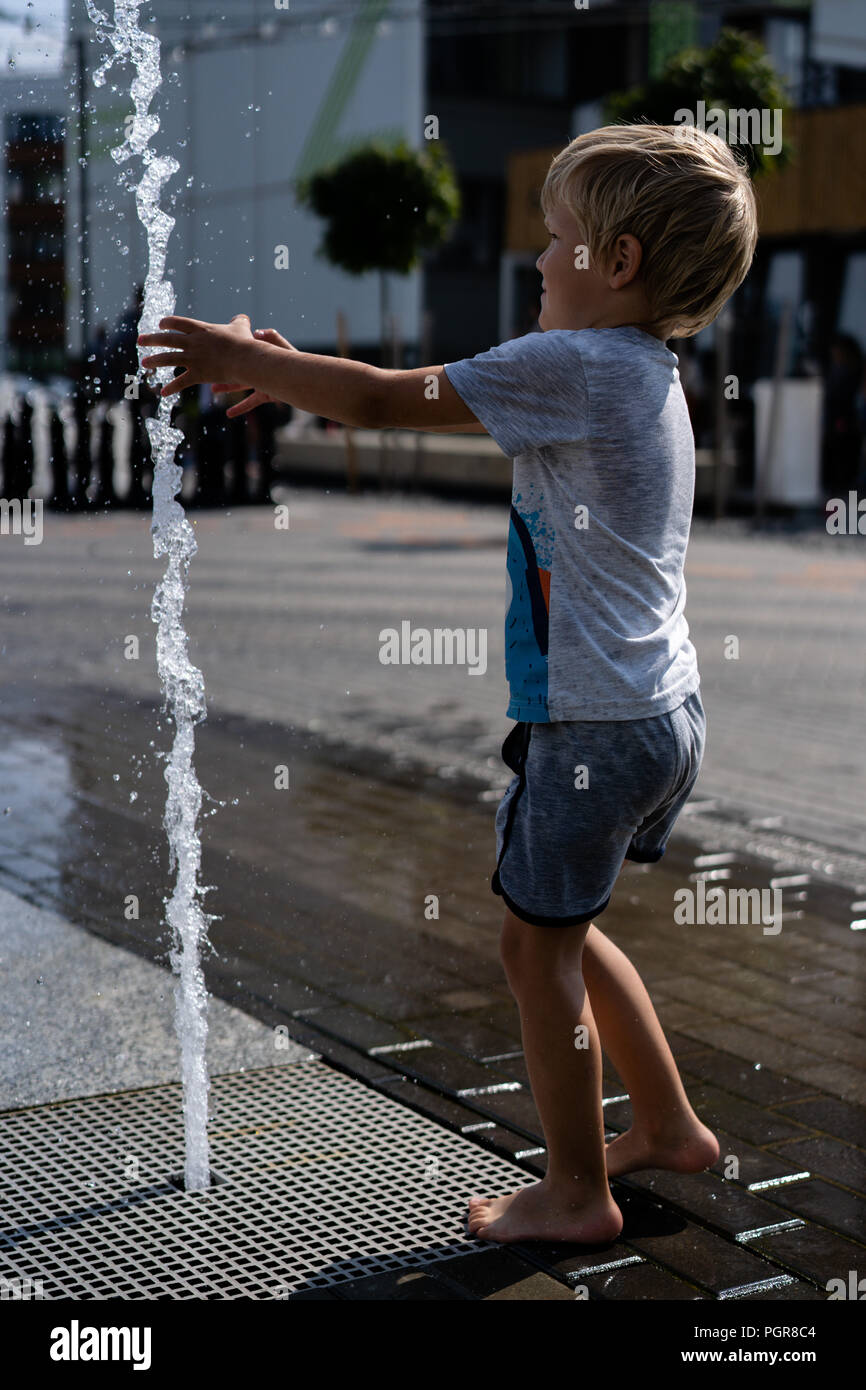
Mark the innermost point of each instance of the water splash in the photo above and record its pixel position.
(182, 683)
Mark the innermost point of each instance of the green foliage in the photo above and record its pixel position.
(383, 205)
(734, 73)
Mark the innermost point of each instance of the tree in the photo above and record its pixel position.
(735, 73)
(383, 205)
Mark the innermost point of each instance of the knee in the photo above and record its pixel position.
(532, 953)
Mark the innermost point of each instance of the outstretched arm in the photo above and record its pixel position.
(353, 393)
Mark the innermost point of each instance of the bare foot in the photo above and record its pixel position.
(690, 1150)
(537, 1213)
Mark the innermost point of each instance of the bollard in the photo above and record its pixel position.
(59, 500)
(26, 455)
(210, 451)
(238, 445)
(105, 494)
(10, 460)
(266, 424)
(81, 459)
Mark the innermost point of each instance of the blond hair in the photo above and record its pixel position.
(682, 193)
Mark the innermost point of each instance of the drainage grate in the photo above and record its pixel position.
(321, 1180)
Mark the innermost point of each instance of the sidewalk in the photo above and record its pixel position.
(285, 626)
(320, 894)
(321, 929)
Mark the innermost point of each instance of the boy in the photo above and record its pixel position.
(652, 229)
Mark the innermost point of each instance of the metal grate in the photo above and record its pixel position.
(321, 1179)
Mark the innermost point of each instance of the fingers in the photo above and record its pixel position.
(247, 404)
(177, 385)
(222, 388)
(165, 359)
(272, 336)
(183, 325)
(161, 340)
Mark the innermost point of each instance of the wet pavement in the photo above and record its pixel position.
(320, 894)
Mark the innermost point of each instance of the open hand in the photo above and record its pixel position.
(265, 335)
(204, 349)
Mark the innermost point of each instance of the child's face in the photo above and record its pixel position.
(574, 294)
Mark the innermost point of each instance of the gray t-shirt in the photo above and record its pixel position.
(604, 471)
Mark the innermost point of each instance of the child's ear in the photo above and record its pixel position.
(627, 257)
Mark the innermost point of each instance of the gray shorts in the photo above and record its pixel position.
(587, 795)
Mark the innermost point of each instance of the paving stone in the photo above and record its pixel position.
(825, 1204)
(680, 1017)
(830, 1044)
(840, 1016)
(505, 1141)
(829, 1115)
(783, 1056)
(386, 1001)
(846, 1081)
(838, 987)
(450, 1112)
(353, 1026)
(294, 996)
(514, 1108)
(474, 1036)
(642, 1281)
(710, 1261)
(770, 988)
(465, 999)
(513, 1068)
(828, 1158)
(535, 1288)
(723, 1206)
(683, 1046)
(368, 1068)
(441, 1066)
(813, 1252)
(755, 1165)
(715, 998)
(753, 1123)
(489, 1274)
(759, 1085)
(795, 1292)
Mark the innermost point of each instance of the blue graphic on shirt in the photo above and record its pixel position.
(527, 622)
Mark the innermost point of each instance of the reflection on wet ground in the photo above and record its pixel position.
(320, 891)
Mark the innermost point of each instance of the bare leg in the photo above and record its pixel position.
(665, 1131)
(573, 1201)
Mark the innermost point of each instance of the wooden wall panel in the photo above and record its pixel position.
(823, 189)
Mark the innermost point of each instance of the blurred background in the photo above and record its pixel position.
(264, 99)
